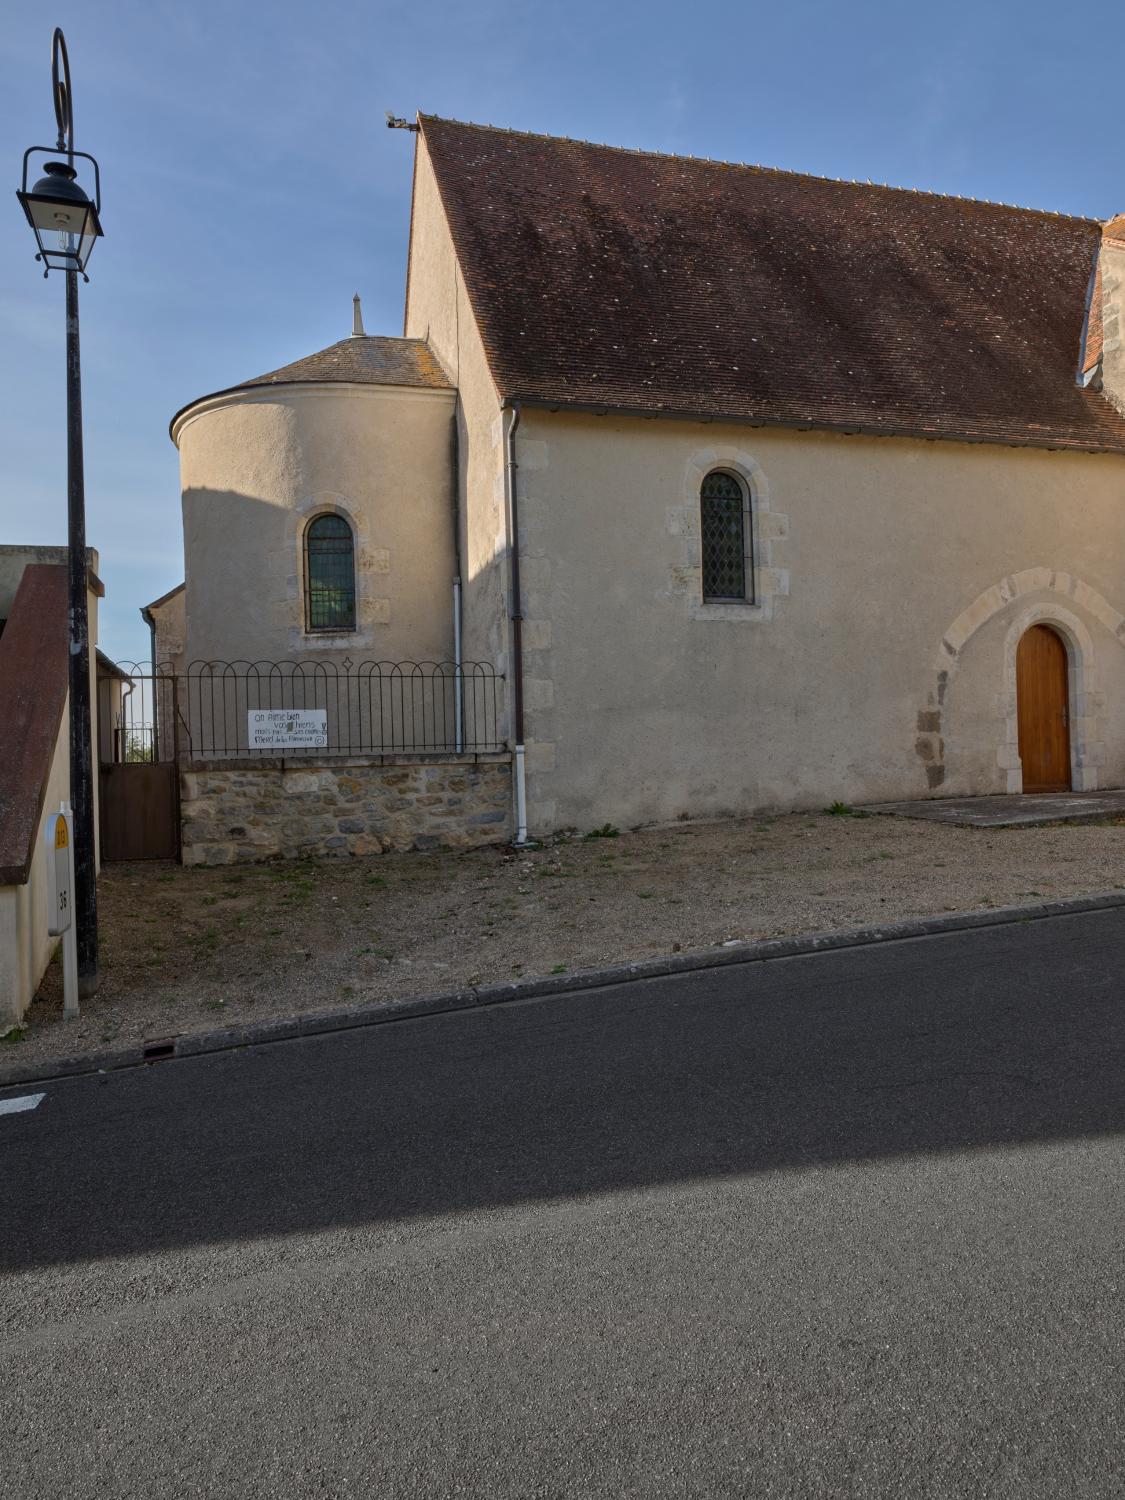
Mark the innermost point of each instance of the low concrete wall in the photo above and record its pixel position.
(254, 810)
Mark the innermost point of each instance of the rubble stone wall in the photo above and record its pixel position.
(235, 811)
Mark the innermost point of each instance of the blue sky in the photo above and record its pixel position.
(250, 185)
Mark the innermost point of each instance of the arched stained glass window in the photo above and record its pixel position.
(329, 575)
(728, 570)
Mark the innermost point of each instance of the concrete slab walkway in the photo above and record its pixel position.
(1010, 811)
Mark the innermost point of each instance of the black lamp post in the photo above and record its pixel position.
(66, 224)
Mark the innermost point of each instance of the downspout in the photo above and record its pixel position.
(515, 615)
(458, 664)
(459, 738)
(150, 621)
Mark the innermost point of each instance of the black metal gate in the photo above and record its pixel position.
(138, 784)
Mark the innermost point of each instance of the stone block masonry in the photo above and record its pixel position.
(236, 811)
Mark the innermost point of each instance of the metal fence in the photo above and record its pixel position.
(136, 712)
(307, 709)
(313, 709)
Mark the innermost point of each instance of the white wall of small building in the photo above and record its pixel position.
(25, 948)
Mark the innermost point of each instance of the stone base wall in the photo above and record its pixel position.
(235, 811)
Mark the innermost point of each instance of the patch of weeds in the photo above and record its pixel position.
(645, 895)
(559, 969)
(840, 810)
(274, 931)
(234, 879)
(885, 854)
(209, 901)
(214, 1004)
(165, 879)
(383, 953)
(347, 990)
(606, 831)
(13, 1036)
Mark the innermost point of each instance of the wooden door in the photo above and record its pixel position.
(140, 816)
(1043, 701)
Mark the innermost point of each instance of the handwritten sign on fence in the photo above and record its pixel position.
(286, 728)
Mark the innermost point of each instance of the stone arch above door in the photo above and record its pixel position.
(1087, 751)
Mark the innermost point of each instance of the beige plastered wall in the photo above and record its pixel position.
(257, 466)
(170, 619)
(438, 309)
(25, 948)
(13, 560)
(894, 578)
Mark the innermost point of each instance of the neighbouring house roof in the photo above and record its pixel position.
(365, 360)
(109, 668)
(665, 285)
(164, 598)
(33, 688)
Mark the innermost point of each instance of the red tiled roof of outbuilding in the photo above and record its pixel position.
(625, 280)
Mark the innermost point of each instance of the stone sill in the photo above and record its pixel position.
(343, 763)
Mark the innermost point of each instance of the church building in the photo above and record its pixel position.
(754, 490)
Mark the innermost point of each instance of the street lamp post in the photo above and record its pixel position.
(66, 224)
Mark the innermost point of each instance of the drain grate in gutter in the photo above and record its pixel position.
(158, 1051)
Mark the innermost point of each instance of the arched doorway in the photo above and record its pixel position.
(1043, 707)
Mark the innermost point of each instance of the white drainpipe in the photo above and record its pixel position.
(521, 799)
(516, 620)
(457, 668)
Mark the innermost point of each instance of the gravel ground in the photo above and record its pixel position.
(188, 949)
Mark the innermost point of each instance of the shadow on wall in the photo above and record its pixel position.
(246, 586)
(998, 1037)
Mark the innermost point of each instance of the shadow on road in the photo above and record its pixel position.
(992, 1037)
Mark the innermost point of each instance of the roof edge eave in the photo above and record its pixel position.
(253, 388)
(841, 429)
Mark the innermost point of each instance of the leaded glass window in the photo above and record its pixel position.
(329, 575)
(727, 569)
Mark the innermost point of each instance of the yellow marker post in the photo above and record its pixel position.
(59, 837)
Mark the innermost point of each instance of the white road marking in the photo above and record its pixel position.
(17, 1106)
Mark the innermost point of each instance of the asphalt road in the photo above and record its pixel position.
(844, 1225)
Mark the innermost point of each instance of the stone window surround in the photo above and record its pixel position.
(748, 593)
(766, 527)
(306, 526)
(368, 610)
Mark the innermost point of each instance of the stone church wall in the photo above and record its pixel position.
(893, 580)
(233, 811)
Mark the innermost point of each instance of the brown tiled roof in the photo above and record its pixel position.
(367, 360)
(631, 281)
